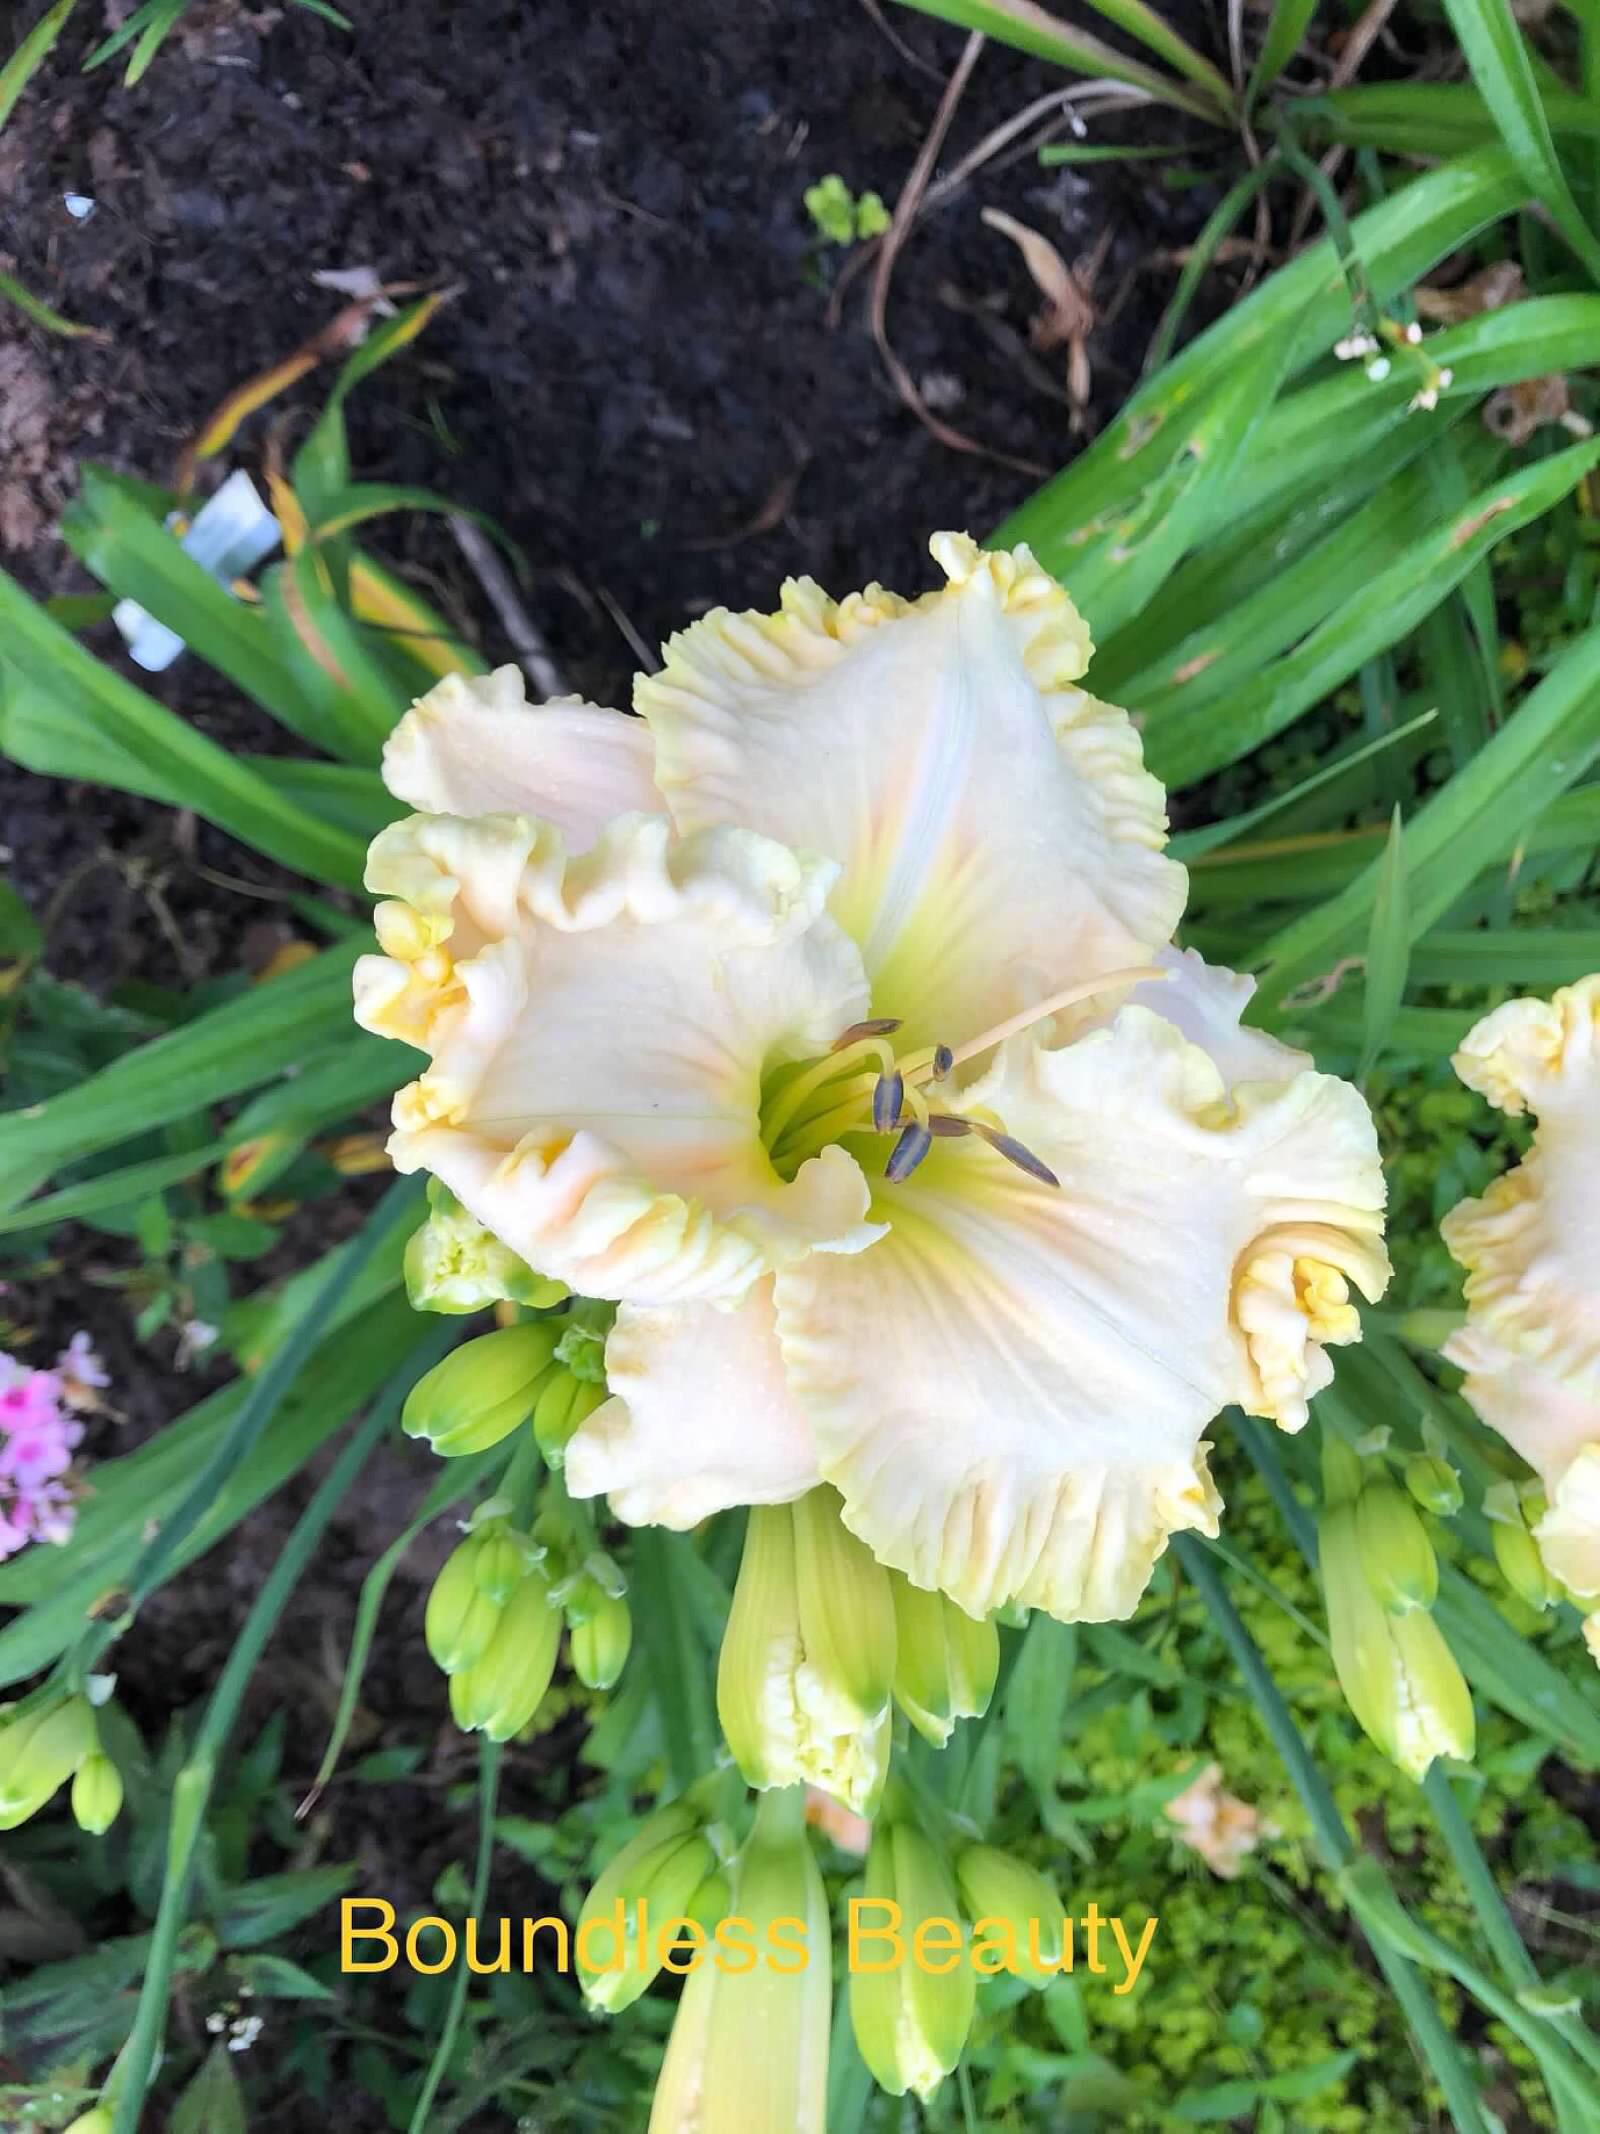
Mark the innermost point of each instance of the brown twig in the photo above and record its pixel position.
(905, 213)
(526, 639)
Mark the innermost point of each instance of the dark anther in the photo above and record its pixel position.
(945, 1126)
(886, 1100)
(943, 1060)
(907, 1153)
(1014, 1152)
(879, 1026)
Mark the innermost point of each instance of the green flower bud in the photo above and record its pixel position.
(1015, 1907)
(503, 1688)
(460, 1618)
(503, 1561)
(749, 2049)
(565, 1400)
(97, 2120)
(39, 1752)
(710, 1904)
(1510, 1513)
(945, 1663)
(662, 1867)
(1399, 1677)
(482, 1390)
(1434, 1483)
(600, 1642)
(1396, 1553)
(911, 2022)
(795, 1710)
(453, 1264)
(96, 1794)
(846, 1603)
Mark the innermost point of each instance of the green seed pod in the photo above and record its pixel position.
(1396, 1553)
(96, 1794)
(481, 1391)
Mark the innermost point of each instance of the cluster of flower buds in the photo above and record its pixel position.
(670, 1871)
(453, 1264)
(492, 1625)
(749, 2047)
(39, 1434)
(599, 1620)
(1368, 349)
(1379, 1580)
(545, 1369)
(821, 1640)
(45, 1743)
(496, 1610)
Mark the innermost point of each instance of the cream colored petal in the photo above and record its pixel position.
(1206, 1001)
(700, 1416)
(1569, 1533)
(593, 1092)
(1010, 1390)
(474, 745)
(999, 835)
(1531, 1345)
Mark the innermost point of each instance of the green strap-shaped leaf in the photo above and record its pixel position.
(1546, 746)
(1491, 37)
(276, 1025)
(66, 714)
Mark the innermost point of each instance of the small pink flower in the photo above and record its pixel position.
(81, 1372)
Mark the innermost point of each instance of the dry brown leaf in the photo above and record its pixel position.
(1516, 411)
(1490, 290)
(1068, 313)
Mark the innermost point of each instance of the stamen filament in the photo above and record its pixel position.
(921, 1065)
(830, 1068)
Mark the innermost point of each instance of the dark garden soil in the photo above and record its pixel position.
(641, 378)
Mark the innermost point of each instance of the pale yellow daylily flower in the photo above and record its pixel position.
(1531, 1344)
(1110, 1210)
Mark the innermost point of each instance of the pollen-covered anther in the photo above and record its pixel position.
(874, 1026)
(1013, 1151)
(913, 1145)
(887, 1098)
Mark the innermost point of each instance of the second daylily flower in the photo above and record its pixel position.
(826, 1019)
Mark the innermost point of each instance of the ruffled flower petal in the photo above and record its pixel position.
(1206, 1002)
(474, 745)
(700, 1416)
(598, 1029)
(1010, 1390)
(1531, 1244)
(999, 836)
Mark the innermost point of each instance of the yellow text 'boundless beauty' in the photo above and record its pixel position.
(878, 1938)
